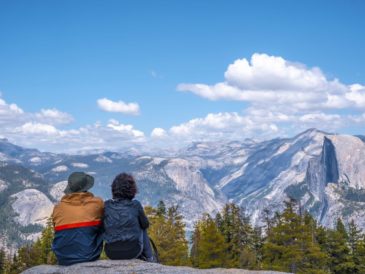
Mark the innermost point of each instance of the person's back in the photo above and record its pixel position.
(78, 222)
(125, 223)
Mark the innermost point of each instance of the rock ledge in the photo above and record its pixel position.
(131, 267)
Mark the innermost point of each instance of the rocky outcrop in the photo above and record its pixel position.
(32, 207)
(131, 267)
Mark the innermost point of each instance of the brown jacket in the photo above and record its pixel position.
(77, 210)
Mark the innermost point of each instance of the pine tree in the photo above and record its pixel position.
(291, 246)
(2, 261)
(195, 245)
(167, 230)
(16, 265)
(161, 208)
(354, 237)
(211, 246)
(360, 255)
(257, 245)
(177, 253)
(237, 232)
(47, 255)
(339, 251)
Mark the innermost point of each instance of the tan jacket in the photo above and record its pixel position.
(77, 210)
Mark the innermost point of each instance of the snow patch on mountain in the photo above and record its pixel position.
(3, 185)
(32, 207)
(61, 168)
(3, 157)
(80, 165)
(35, 160)
(103, 159)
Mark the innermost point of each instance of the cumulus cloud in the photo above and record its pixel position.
(119, 106)
(158, 133)
(42, 130)
(110, 136)
(281, 98)
(255, 123)
(265, 80)
(54, 116)
(36, 128)
(9, 113)
(126, 129)
(226, 125)
(12, 115)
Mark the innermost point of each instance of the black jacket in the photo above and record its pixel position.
(124, 220)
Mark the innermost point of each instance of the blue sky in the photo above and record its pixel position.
(64, 56)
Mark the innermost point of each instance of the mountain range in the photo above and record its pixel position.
(325, 172)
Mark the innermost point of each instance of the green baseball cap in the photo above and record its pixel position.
(79, 182)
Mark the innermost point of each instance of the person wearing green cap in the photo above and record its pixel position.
(77, 222)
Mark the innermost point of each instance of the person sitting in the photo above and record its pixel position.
(77, 222)
(125, 223)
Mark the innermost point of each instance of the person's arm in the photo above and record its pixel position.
(142, 218)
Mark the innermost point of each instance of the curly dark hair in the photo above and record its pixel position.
(124, 187)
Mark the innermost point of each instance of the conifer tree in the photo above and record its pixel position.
(177, 254)
(339, 251)
(2, 261)
(195, 245)
(360, 255)
(161, 208)
(257, 245)
(47, 255)
(357, 247)
(237, 232)
(291, 245)
(211, 246)
(167, 230)
(16, 265)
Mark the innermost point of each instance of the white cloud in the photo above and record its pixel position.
(37, 128)
(266, 72)
(120, 106)
(111, 136)
(13, 116)
(282, 98)
(40, 130)
(158, 133)
(265, 80)
(125, 129)
(9, 113)
(357, 95)
(256, 123)
(227, 125)
(54, 116)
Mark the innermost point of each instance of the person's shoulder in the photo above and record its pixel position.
(136, 203)
(98, 199)
(108, 202)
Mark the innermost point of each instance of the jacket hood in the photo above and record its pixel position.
(77, 198)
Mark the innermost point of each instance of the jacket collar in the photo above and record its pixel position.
(77, 197)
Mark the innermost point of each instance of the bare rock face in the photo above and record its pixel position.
(32, 207)
(131, 267)
(57, 190)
